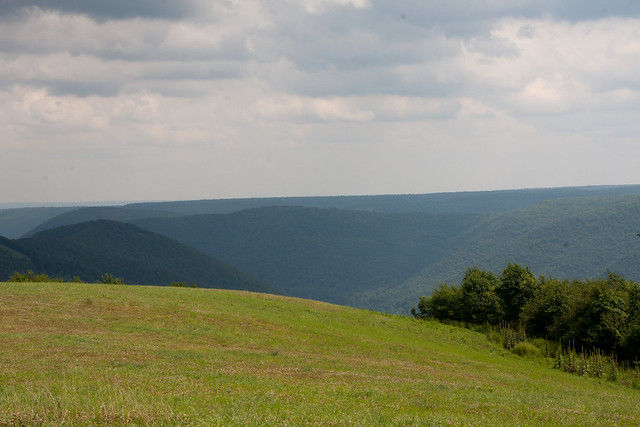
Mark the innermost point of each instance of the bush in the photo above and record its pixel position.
(546, 347)
(444, 303)
(30, 276)
(523, 349)
(109, 279)
(182, 285)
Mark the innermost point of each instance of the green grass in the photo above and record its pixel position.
(78, 353)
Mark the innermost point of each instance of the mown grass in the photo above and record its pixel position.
(78, 353)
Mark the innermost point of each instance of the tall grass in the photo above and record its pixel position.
(585, 363)
(592, 363)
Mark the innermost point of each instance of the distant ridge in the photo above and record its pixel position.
(475, 202)
(458, 202)
(16, 222)
(98, 212)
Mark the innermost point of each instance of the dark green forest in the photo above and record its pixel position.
(91, 249)
(599, 314)
(573, 238)
(327, 254)
(379, 259)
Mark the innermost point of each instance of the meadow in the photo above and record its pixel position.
(88, 353)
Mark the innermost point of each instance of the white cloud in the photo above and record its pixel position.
(315, 97)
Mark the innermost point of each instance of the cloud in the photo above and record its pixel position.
(113, 9)
(315, 97)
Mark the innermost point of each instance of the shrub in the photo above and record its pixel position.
(30, 276)
(523, 349)
(444, 303)
(593, 364)
(109, 279)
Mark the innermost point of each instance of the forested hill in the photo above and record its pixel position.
(383, 260)
(476, 202)
(457, 202)
(328, 254)
(93, 213)
(11, 259)
(573, 238)
(91, 249)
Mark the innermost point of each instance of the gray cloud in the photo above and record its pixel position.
(251, 97)
(112, 9)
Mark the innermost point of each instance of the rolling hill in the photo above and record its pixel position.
(104, 354)
(385, 260)
(326, 254)
(91, 249)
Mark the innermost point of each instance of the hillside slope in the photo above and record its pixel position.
(149, 355)
(91, 249)
(12, 260)
(327, 254)
(573, 238)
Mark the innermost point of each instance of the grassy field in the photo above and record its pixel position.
(77, 354)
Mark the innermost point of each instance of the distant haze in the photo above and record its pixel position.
(149, 100)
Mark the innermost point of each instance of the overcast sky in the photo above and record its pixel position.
(160, 99)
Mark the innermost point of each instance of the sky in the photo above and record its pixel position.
(168, 100)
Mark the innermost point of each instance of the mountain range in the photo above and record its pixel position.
(378, 252)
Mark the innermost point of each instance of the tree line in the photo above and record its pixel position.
(595, 314)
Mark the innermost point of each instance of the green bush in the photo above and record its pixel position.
(546, 347)
(444, 303)
(182, 285)
(109, 279)
(30, 276)
(523, 349)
